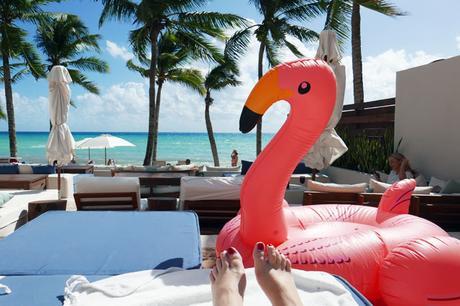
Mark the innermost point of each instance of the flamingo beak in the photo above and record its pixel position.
(264, 94)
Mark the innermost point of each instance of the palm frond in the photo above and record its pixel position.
(82, 80)
(293, 49)
(139, 40)
(144, 72)
(303, 12)
(89, 63)
(117, 9)
(382, 6)
(238, 43)
(338, 18)
(272, 52)
(199, 46)
(301, 33)
(191, 78)
(204, 21)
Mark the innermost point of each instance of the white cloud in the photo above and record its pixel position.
(458, 42)
(379, 72)
(117, 51)
(31, 114)
(124, 106)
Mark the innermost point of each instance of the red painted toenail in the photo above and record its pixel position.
(231, 251)
(260, 246)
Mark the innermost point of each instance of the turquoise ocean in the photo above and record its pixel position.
(171, 147)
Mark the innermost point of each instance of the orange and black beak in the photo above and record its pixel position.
(266, 92)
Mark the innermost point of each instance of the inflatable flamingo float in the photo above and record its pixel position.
(391, 257)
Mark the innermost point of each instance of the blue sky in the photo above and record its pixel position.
(430, 31)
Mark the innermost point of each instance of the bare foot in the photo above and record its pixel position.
(228, 280)
(273, 273)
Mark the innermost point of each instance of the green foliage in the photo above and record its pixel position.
(173, 55)
(64, 39)
(338, 16)
(366, 154)
(276, 25)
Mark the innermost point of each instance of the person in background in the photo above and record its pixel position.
(400, 168)
(234, 157)
(111, 162)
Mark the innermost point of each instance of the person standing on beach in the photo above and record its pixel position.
(234, 157)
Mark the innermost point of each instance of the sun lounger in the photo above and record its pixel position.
(42, 255)
(108, 193)
(13, 214)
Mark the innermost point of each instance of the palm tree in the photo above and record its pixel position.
(63, 39)
(17, 52)
(339, 13)
(272, 34)
(172, 56)
(155, 16)
(218, 78)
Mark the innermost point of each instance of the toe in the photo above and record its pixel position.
(211, 277)
(219, 263)
(272, 256)
(214, 272)
(258, 254)
(233, 257)
(224, 261)
(282, 261)
(288, 265)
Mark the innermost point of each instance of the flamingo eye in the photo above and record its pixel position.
(304, 87)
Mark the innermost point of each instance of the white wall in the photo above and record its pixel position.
(428, 117)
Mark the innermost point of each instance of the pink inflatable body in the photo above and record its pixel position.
(391, 257)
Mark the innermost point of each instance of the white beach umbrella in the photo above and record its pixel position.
(329, 146)
(80, 142)
(105, 141)
(61, 144)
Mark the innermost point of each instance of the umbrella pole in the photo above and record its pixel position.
(105, 156)
(59, 181)
(89, 154)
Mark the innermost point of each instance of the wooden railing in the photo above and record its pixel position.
(374, 114)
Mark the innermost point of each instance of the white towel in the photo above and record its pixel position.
(192, 287)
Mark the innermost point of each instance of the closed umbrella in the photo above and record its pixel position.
(329, 145)
(60, 147)
(105, 141)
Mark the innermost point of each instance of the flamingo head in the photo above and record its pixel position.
(307, 84)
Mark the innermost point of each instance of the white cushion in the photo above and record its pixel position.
(108, 185)
(437, 184)
(223, 169)
(195, 188)
(331, 187)
(379, 187)
(67, 183)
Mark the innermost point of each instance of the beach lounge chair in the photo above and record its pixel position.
(108, 193)
(38, 260)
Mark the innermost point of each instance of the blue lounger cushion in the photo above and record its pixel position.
(39, 290)
(102, 243)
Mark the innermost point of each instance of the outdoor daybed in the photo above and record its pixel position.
(108, 193)
(38, 260)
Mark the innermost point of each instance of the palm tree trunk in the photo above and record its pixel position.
(259, 124)
(152, 75)
(9, 104)
(156, 121)
(356, 54)
(208, 101)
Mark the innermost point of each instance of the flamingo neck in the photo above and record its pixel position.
(264, 186)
